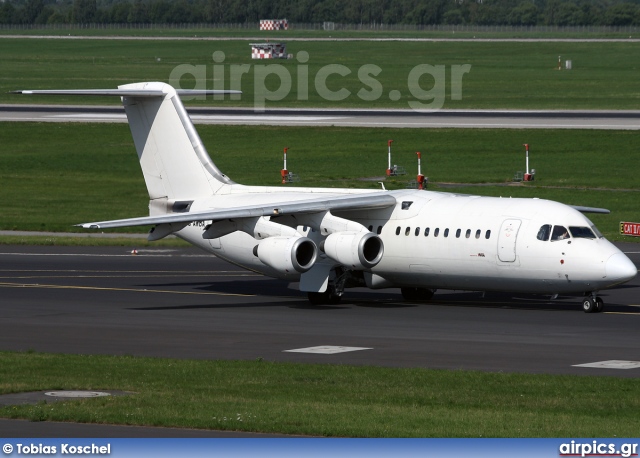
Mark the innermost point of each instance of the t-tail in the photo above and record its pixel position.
(174, 161)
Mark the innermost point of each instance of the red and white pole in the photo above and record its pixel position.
(420, 177)
(284, 172)
(389, 159)
(527, 175)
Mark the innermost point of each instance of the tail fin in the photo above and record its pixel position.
(174, 161)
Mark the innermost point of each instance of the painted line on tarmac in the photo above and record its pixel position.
(196, 272)
(132, 290)
(186, 274)
(128, 255)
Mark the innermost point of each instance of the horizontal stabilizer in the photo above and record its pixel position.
(121, 92)
(352, 202)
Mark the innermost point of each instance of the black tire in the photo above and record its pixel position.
(588, 305)
(599, 304)
(326, 298)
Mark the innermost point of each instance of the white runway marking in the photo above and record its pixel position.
(271, 118)
(128, 255)
(230, 117)
(612, 364)
(92, 115)
(327, 349)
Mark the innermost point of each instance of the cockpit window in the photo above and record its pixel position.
(581, 232)
(596, 231)
(559, 233)
(544, 232)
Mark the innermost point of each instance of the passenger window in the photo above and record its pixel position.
(458, 233)
(559, 233)
(487, 235)
(446, 232)
(407, 231)
(544, 232)
(468, 234)
(417, 231)
(426, 232)
(436, 232)
(379, 231)
(398, 230)
(370, 228)
(478, 233)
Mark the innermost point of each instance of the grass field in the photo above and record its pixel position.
(504, 32)
(57, 175)
(502, 75)
(323, 400)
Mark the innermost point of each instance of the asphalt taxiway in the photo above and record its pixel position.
(183, 303)
(407, 118)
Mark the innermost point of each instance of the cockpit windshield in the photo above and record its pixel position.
(555, 233)
(544, 232)
(559, 233)
(581, 232)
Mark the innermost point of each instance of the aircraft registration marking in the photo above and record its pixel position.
(612, 364)
(327, 349)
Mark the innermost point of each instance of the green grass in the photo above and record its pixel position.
(196, 31)
(323, 400)
(57, 175)
(62, 240)
(502, 75)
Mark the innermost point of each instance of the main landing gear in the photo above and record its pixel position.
(329, 297)
(335, 288)
(592, 303)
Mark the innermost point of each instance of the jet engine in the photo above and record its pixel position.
(358, 250)
(287, 254)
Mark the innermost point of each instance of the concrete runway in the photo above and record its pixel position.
(513, 119)
(183, 303)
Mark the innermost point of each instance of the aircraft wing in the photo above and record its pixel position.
(591, 209)
(350, 202)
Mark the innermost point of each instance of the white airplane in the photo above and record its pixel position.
(332, 239)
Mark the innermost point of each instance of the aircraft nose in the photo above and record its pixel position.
(620, 268)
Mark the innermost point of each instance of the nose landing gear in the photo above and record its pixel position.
(592, 304)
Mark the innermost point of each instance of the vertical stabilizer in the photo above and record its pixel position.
(175, 163)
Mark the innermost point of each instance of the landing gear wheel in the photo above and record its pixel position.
(599, 304)
(326, 298)
(417, 294)
(589, 305)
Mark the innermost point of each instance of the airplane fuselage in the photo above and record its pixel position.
(447, 241)
(331, 239)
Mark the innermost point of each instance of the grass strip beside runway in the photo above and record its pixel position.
(517, 75)
(55, 175)
(163, 31)
(61, 240)
(322, 400)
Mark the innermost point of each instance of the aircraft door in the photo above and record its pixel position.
(507, 240)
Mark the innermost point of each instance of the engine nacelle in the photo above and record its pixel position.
(358, 250)
(287, 254)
